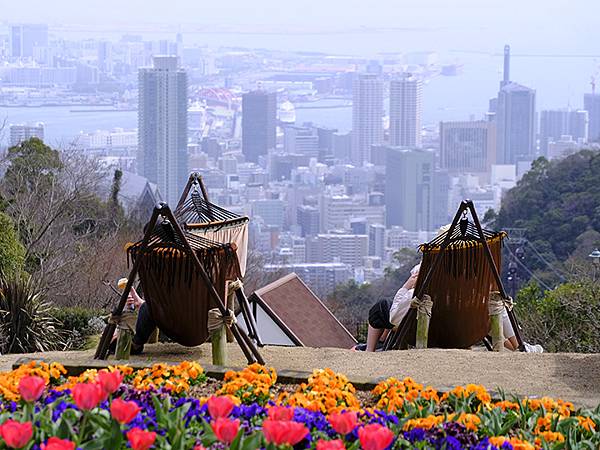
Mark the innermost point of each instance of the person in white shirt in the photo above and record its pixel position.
(386, 315)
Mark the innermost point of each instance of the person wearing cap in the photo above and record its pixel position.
(134, 302)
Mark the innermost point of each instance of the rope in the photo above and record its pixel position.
(216, 320)
(423, 306)
(497, 304)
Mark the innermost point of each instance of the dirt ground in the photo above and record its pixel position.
(573, 377)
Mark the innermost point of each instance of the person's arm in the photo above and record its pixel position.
(134, 299)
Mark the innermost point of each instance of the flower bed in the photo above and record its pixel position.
(165, 407)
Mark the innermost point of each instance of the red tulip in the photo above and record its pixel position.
(280, 413)
(87, 395)
(336, 444)
(280, 432)
(16, 434)
(343, 423)
(375, 437)
(199, 447)
(31, 388)
(110, 381)
(226, 429)
(55, 443)
(140, 439)
(124, 412)
(219, 407)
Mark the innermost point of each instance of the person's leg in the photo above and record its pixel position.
(144, 327)
(373, 336)
(511, 343)
(378, 323)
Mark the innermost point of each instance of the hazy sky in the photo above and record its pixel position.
(363, 27)
(551, 14)
(537, 24)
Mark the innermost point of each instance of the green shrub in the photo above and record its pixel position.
(26, 320)
(76, 318)
(566, 319)
(12, 252)
(79, 325)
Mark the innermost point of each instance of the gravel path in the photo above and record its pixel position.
(573, 377)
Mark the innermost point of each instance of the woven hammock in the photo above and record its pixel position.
(197, 213)
(459, 287)
(212, 222)
(176, 295)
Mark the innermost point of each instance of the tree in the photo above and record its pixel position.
(12, 252)
(65, 220)
(557, 202)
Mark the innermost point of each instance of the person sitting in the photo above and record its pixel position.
(386, 315)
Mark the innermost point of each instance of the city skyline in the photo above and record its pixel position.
(339, 154)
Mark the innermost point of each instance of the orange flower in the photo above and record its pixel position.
(587, 423)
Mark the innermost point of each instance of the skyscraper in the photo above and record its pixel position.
(409, 188)
(554, 124)
(516, 124)
(467, 146)
(591, 103)
(162, 124)
(25, 37)
(367, 116)
(406, 110)
(105, 63)
(259, 119)
(515, 118)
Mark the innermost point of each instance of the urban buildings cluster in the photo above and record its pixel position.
(331, 205)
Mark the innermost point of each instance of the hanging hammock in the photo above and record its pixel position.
(176, 295)
(459, 274)
(205, 219)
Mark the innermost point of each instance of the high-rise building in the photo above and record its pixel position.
(308, 219)
(406, 110)
(515, 137)
(25, 37)
(467, 146)
(162, 124)
(376, 240)
(302, 140)
(345, 248)
(515, 119)
(259, 120)
(557, 123)
(105, 62)
(409, 188)
(342, 147)
(326, 138)
(591, 103)
(367, 116)
(23, 132)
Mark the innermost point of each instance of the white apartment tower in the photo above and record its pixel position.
(367, 116)
(406, 111)
(162, 123)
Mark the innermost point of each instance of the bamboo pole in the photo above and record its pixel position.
(495, 307)
(218, 339)
(124, 339)
(423, 317)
